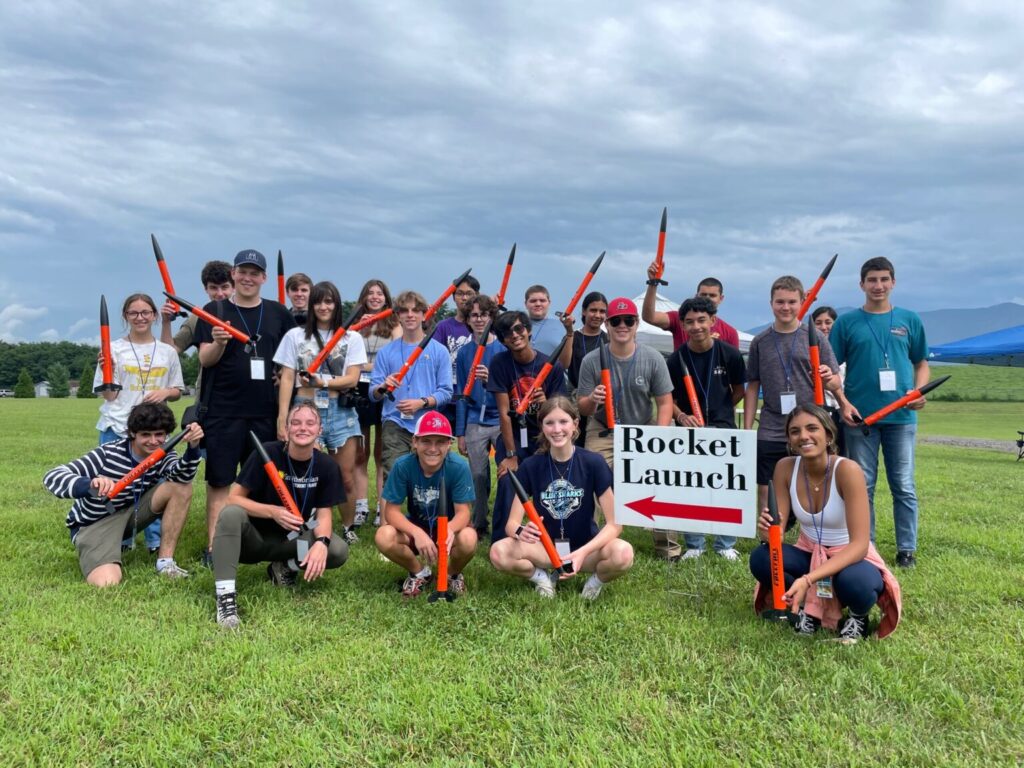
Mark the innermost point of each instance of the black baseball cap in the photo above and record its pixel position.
(251, 257)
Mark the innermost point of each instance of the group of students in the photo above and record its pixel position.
(555, 437)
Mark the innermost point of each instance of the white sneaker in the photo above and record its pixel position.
(591, 589)
(173, 571)
(729, 554)
(545, 588)
(360, 518)
(227, 611)
(691, 554)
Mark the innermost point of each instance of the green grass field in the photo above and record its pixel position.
(979, 383)
(342, 673)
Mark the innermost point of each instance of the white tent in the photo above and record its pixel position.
(662, 340)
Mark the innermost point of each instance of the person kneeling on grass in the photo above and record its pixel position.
(564, 480)
(409, 540)
(834, 564)
(254, 526)
(97, 524)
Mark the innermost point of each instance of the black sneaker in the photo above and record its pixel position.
(280, 574)
(854, 628)
(206, 559)
(227, 610)
(350, 536)
(806, 625)
(905, 559)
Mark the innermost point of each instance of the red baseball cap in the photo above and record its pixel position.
(622, 306)
(433, 423)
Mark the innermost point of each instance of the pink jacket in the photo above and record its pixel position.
(828, 609)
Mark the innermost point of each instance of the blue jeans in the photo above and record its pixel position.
(152, 531)
(897, 444)
(696, 541)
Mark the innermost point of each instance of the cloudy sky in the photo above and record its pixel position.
(410, 140)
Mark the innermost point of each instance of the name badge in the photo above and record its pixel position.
(321, 399)
(523, 438)
(887, 379)
(257, 371)
(562, 548)
(824, 588)
(364, 377)
(483, 409)
(787, 402)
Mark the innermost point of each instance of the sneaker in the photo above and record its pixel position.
(206, 559)
(591, 589)
(173, 571)
(691, 554)
(905, 559)
(360, 518)
(457, 584)
(413, 586)
(350, 535)
(854, 628)
(227, 610)
(545, 588)
(806, 625)
(280, 574)
(376, 520)
(729, 554)
(153, 550)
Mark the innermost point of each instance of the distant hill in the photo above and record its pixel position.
(946, 325)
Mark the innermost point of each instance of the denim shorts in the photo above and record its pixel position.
(338, 424)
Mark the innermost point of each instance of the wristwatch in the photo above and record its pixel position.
(426, 402)
(325, 540)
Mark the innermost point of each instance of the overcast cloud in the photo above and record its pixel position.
(410, 140)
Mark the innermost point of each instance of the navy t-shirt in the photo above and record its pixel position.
(407, 483)
(714, 373)
(564, 492)
(313, 484)
(515, 379)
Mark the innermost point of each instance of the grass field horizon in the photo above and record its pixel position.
(341, 672)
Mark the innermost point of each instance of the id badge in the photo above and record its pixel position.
(886, 380)
(483, 410)
(523, 437)
(257, 371)
(321, 399)
(562, 548)
(301, 550)
(364, 377)
(824, 588)
(787, 402)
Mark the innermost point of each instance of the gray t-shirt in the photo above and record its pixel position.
(635, 381)
(777, 358)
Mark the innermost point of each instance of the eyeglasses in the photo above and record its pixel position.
(478, 316)
(465, 294)
(628, 320)
(143, 315)
(517, 330)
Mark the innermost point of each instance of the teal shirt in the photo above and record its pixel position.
(860, 339)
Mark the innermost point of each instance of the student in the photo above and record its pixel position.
(708, 288)
(563, 481)
(219, 285)
(833, 565)
(585, 341)
(373, 299)
(454, 332)
(298, 288)
(331, 390)
(477, 425)
(718, 374)
(164, 491)
(779, 363)
(148, 371)
(510, 378)
(254, 525)
(547, 332)
(238, 389)
(824, 318)
(410, 540)
(886, 355)
(427, 385)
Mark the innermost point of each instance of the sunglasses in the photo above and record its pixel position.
(628, 320)
(517, 330)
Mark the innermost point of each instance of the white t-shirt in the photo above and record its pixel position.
(296, 352)
(138, 368)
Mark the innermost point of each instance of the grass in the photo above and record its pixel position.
(342, 673)
(979, 383)
(995, 421)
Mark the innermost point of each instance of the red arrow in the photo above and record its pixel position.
(649, 508)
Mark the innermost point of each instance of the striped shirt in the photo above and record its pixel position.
(113, 460)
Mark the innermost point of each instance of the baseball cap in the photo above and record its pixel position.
(252, 258)
(433, 423)
(622, 306)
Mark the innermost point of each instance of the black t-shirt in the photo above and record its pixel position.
(312, 484)
(515, 379)
(581, 346)
(234, 393)
(713, 387)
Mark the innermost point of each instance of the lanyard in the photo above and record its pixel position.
(567, 477)
(152, 359)
(619, 392)
(259, 323)
(884, 347)
(819, 530)
(706, 391)
(531, 371)
(432, 518)
(305, 481)
(786, 369)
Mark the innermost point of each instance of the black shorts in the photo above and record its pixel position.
(368, 411)
(228, 445)
(768, 454)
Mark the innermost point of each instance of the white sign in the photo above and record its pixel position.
(682, 479)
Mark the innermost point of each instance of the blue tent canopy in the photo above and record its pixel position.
(1005, 347)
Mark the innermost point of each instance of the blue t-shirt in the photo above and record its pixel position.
(545, 334)
(564, 492)
(467, 411)
(407, 483)
(868, 343)
(515, 379)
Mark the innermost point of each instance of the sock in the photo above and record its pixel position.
(163, 562)
(424, 573)
(225, 587)
(593, 581)
(539, 576)
(362, 505)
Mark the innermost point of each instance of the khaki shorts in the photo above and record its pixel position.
(100, 543)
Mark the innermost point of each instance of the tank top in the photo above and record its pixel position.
(831, 521)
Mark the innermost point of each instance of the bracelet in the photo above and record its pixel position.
(519, 530)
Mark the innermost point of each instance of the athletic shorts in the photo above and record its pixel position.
(768, 454)
(369, 412)
(228, 445)
(100, 543)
